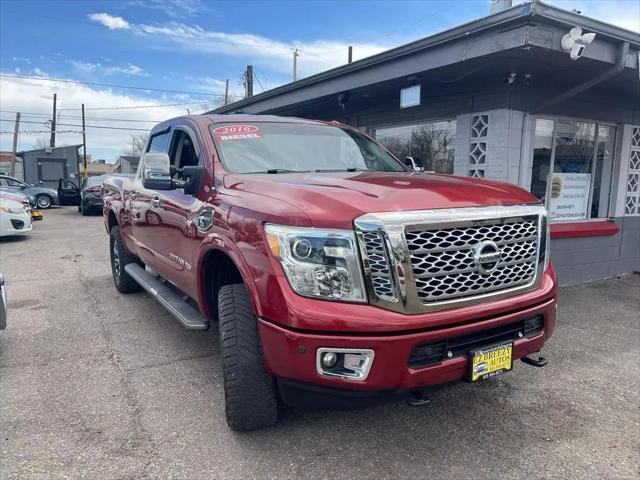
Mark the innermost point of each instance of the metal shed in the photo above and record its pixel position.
(46, 166)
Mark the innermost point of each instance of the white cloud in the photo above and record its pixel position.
(34, 97)
(88, 67)
(272, 54)
(22, 59)
(109, 21)
(173, 8)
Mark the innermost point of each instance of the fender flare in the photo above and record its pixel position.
(216, 242)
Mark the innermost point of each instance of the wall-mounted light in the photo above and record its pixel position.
(575, 42)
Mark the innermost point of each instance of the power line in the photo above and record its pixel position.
(76, 117)
(37, 132)
(114, 85)
(87, 126)
(142, 106)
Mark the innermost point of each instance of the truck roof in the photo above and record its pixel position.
(205, 119)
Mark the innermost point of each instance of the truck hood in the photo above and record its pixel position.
(334, 200)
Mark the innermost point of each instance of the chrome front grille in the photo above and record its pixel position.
(378, 265)
(428, 260)
(444, 265)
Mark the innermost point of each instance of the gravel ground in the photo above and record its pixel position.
(95, 384)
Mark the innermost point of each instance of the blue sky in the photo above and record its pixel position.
(192, 46)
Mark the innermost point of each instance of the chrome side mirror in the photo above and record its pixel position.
(156, 171)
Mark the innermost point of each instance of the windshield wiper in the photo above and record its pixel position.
(284, 170)
(349, 169)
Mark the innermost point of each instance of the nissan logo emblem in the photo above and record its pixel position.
(486, 256)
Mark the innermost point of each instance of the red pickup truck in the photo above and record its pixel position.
(337, 275)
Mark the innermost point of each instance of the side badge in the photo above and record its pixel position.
(205, 220)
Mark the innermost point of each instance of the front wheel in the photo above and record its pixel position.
(43, 201)
(251, 399)
(119, 259)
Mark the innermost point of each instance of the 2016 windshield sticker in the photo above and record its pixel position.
(237, 132)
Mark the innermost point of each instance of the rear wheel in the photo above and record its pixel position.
(43, 201)
(251, 400)
(119, 259)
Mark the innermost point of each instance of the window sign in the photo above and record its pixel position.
(569, 196)
(577, 158)
(410, 96)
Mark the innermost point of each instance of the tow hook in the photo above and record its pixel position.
(535, 362)
(416, 399)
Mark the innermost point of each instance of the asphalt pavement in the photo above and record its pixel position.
(95, 384)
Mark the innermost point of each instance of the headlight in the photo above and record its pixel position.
(15, 211)
(319, 262)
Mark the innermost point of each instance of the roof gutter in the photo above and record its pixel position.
(623, 53)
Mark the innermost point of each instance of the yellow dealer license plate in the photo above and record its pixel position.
(491, 361)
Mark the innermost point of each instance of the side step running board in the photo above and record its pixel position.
(187, 315)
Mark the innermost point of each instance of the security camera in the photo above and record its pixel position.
(508, 80)
(575, 42)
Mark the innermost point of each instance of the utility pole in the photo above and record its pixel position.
(52, 142)
(249, 81)
(84, 146)
(350, 55)
(295, 64)
(226, 92)
(12, 171)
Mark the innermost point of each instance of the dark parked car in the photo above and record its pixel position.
(89, 196)
(45, 196)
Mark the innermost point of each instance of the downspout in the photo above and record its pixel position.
(623, 53)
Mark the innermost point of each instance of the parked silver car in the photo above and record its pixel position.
(45, 196)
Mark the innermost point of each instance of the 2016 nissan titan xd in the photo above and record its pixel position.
(337, 275)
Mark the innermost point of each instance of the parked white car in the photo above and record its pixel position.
(14, 219)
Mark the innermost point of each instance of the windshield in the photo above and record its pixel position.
(293, 147)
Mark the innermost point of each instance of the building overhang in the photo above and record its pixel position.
(530, 26)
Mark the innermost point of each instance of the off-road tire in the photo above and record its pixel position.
(119, 259)
(43, 201)
(251, 397)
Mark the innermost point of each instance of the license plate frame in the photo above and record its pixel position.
(494, 364)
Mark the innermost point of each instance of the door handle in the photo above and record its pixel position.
(156, 201)
(133, 194)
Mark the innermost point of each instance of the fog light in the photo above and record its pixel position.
(329, 359)
(345, 363)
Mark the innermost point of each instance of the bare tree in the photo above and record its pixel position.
(42, 143)
(137, 145)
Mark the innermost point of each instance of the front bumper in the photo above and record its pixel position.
(291, 355)
(15, 224)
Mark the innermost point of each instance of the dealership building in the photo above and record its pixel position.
(521, 96)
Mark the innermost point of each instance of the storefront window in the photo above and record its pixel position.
(432, 143)
(580, 157)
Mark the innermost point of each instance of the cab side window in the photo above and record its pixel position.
(183, 151)
(158, 143)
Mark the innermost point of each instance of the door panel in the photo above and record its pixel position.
(179, 212)
(68, 193)
(51, 170)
